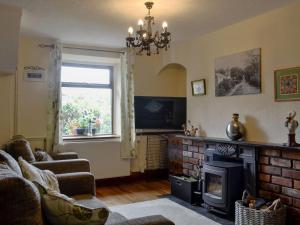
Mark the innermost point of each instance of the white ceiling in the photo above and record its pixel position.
(105, 22)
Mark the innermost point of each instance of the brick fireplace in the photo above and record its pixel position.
(277, 168)
(279, 177)
(193, 155)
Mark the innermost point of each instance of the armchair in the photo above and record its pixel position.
(58, 163)
(64, 166)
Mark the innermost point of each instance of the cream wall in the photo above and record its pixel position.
(10, 27)
(277, 33)
(32, 97)
(7, 87)
(31, 121)
(152, 78)
(10, 19)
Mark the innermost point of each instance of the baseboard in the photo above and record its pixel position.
(135, 176)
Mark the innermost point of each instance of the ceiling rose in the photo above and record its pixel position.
(146, 41)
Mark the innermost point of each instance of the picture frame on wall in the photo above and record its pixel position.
(287, 84)
(198, 87)
(238, 73)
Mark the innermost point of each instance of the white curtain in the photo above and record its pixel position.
(128, 136)
(54, 126)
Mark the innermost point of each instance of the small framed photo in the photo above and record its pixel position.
(198, 87)
(287, 84)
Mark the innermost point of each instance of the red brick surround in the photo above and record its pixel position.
(193, 154)
(279, 177)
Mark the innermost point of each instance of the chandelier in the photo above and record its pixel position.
(144, 39)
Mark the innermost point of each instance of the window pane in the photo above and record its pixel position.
(85, 75)
(86, 107)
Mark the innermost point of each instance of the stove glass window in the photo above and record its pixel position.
(214, 185)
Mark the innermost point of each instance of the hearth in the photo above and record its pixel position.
(222, 185)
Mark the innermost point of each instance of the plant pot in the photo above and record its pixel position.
(80, 131)
(94, 131)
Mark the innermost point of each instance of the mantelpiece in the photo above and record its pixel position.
(259, 145)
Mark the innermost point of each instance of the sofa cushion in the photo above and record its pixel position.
(20, 147)
(43, 177)
(59, 209)
(19, 199)
(10, 162)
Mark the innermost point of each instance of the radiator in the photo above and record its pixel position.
(157, 154)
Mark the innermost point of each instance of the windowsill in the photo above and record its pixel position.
(88, 138)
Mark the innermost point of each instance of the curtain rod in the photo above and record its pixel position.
(96, 50)
(79, 48)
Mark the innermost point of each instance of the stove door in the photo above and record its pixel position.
(215, 186)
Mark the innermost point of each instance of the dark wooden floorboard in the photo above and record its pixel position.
(138, 191)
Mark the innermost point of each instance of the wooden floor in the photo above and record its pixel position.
(133, 192)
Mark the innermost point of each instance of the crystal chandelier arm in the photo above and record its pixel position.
(163, 40)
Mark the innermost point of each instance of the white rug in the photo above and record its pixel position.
(165, 207)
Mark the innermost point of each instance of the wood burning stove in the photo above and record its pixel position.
(222, 185)
(228, 169)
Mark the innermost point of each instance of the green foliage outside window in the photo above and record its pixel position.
(80, 112)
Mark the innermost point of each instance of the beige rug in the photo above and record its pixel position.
(169, 209)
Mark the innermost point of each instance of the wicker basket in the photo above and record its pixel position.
(247, 216)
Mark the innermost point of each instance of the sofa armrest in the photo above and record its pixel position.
(147, 220)
(64, 166)
(76, 183)
(20, 201)
(64, 155)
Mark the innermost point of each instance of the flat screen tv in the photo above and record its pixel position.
(159, 112)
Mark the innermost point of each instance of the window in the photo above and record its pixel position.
(87, 100)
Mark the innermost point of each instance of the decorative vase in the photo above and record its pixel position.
(235, 129)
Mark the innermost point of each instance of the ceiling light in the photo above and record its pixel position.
(144, 39)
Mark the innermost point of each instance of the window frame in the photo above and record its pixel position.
(97, 86)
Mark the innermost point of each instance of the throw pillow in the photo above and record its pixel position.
(61, 210)
(41, 155)
(20, 147)
(43, 177)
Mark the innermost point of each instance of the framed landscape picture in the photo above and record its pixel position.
(238, 74)
(287, 83)
(198, 87)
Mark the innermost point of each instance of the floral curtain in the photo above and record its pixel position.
(54, 127)
(128, 136)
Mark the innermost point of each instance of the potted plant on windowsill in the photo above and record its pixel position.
(84, 124)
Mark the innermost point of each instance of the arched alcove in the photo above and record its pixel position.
(175, 75)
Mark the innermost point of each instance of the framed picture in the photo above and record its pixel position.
(287, 83)
(238, 74)
(198, 87)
